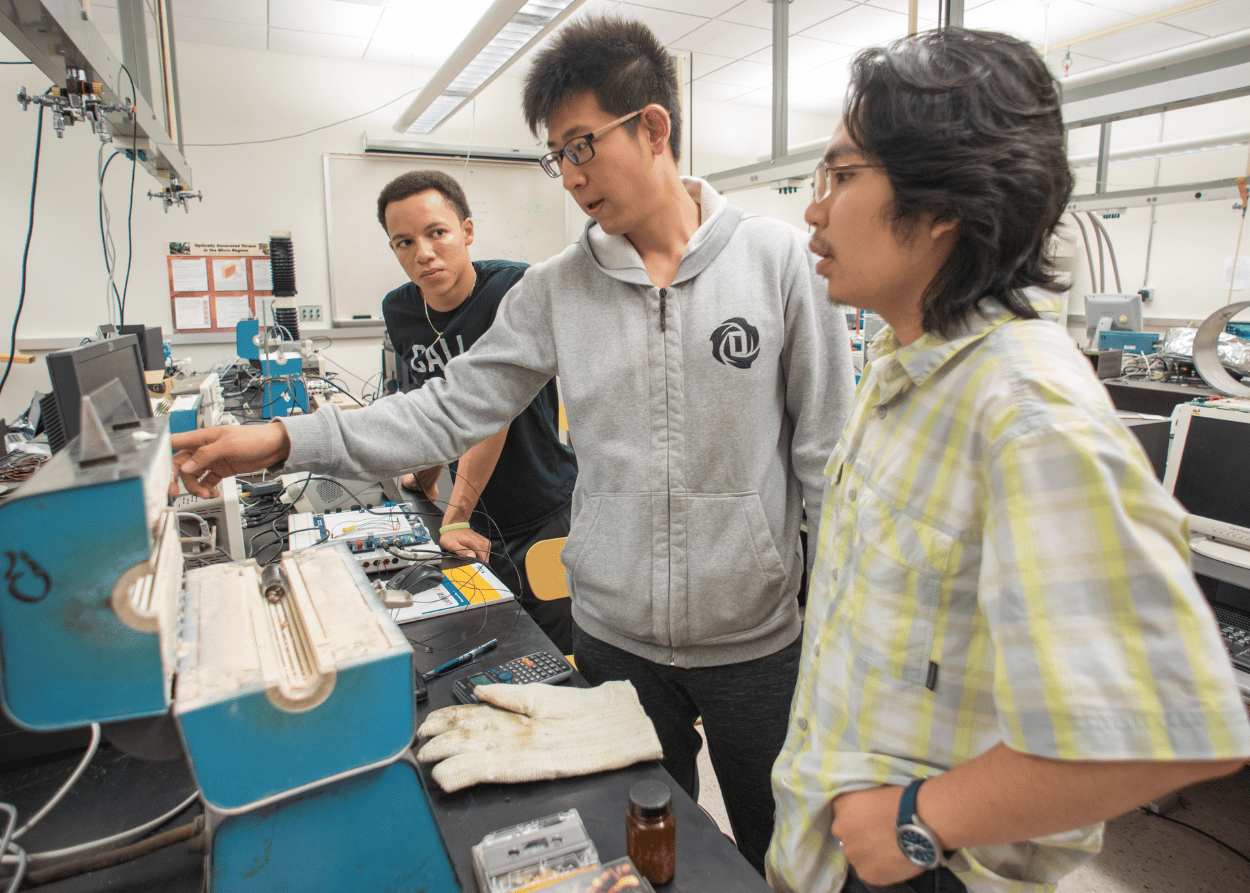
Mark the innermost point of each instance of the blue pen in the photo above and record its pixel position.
(462, 659)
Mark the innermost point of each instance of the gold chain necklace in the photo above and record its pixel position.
(437, 333)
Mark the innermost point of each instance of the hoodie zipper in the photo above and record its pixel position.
(663, 295)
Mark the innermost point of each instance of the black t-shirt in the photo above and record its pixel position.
(534, 477)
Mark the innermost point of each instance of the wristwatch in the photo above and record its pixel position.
(915, 839)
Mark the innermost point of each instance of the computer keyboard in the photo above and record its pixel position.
(1235, 630)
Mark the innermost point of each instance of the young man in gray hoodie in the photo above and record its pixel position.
(706, 378)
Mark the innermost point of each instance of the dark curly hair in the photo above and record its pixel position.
(967, 125)
(618, 61)
(415, 182)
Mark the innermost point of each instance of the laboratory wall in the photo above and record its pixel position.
(1182, 251)
(238, 104)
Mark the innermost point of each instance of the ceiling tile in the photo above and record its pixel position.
(802, 89)
(596, 8)
(1043, 24)
(222, 34)
(1141, 41)
(703, 64)
(741, 73)
(308, 44)
(1231, 15)
(1137, 7)
(667, 26)
(803, 13)
(830, 79)
(442, 26)
(1078, 62)
(709, 9)
(926, 14)
(324, 17)
(805, 53)
(863, 26)
(819, 106)
(710, 92)
(761, 97)
(241, 12)
(725, 39)
(406, 52)
(798, 89)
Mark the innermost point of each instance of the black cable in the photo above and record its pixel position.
(1168, 818)
(109, 858)
(336, 387)
(30, 229)
(424, 643)
(278, 139)
(130, 213)
(108, 266)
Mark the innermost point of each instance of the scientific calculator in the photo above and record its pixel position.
(537, 667)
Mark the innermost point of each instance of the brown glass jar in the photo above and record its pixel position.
(651, 831)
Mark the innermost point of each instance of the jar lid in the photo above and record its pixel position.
(650, 799)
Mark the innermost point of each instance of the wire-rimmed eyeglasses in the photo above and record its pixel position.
(579, 149)
(823, 177)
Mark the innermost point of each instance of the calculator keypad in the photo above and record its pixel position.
(537, 667)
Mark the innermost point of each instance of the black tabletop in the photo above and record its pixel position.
(119, 791)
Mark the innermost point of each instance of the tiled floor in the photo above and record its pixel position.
(1141, 853)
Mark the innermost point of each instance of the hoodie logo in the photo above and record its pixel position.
(736, 343)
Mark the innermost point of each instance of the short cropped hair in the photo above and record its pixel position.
(415, 182)
(620, 62)
(967, 125)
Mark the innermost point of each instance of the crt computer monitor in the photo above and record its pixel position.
(1205, 470)
(78, 371)
(1118, 313)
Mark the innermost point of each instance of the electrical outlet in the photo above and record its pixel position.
(310, 313)
(1147, 294)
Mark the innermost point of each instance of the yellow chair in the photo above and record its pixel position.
(545, 572)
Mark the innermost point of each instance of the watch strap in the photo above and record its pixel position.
(907, 803)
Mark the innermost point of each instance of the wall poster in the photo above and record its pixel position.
(214, 285)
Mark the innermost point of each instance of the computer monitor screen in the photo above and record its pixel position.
(1206, 464)
(1121, 313)
(77, 372)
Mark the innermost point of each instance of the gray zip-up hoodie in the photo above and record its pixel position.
(702, 415)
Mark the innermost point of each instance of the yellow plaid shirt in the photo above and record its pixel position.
(996, 563)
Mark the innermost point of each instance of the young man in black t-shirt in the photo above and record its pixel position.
(514, 488)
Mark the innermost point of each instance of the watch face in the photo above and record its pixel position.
(917, 846)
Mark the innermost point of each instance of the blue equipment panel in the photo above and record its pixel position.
(1128, 342)
(74, 536)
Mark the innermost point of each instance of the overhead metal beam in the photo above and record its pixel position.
(795, 166)
(1182, 193)
(1201, 72)
(57, 37)
(781, 77)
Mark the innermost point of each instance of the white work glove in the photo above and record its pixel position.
(535, 731)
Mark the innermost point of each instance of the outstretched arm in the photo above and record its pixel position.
(472, 474)
(205, 456)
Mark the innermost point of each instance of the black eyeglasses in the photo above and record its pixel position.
(579, 149)
(821, 181)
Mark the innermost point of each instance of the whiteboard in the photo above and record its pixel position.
(518, 214)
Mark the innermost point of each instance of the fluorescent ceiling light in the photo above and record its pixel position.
(504, 32)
